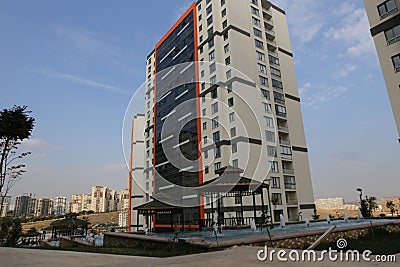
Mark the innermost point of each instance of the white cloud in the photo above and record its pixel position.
(346, 71)
(39, 144)
(353, 31)
(315, 95)
(69, 77)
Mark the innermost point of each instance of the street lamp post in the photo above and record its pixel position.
(360, 190)
(269, 199)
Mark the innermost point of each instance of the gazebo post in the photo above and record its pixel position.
(183, 221)
(254, 207)
(212, 208)
(137, 221)
(262, 200)
(172, 219)
(241, 207)
(219, 208)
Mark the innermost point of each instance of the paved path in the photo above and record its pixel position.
(241, 256)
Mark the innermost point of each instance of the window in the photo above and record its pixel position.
(147, 153)
(230, 102)
(222, 2)
(214, 94)
(387, 8)
(207, 2)
(226, 36)
(270, 136)
(208, 9)
(147, 185)
(233, 132)
(263, 81)
(262, 68)
(202, 73)
(211, 55)
(205, 140)
(259, 44)
(224, 24)
(147, 143)
(290, 182)
(211, 43)
(393, 35)
(206, 154)
(204, 112)
(232, 117)
(199, 7)
(216, 137)
(200, 28)
(217, 152)
(235, 163)
(203, 99)
(226, 48)
(214, 108)
(279, 98)
(267, 108)
(228, 61)
(207, 170)
(217, 166)
(254, 2)
(210, 31)
(234, 148)
(277, 84)
(275, 182)
(274, 166)
(276, 198)
(256, 21)
(396, 63)
(201, 50)
(204, 125)
(215, 122)
(257, 33)
(209, 21)
(271, 151)
(275, 72)
(223, 13)
(273, 60)
(238, 200)
(280, 110)
(255, 11)
(212, 67)
(213, 79)
(200, 17)
(260, 56)
(265, 94)
(228, 74)
(203, 86)
(269, 122)
(229, 87)
(201, 38)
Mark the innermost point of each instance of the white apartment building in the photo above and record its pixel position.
(244, 112)
(384, 19)
(330, 203)
(81, 202)
(60, 206)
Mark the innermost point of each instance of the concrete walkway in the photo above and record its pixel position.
(239, 256)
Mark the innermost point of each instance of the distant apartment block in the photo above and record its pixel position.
(22, 205)
(81, 202)
(103, 199)
(123, 200)
(330, 203)
(6, 207)
(123, 219)
(60, 206)
(384, 19)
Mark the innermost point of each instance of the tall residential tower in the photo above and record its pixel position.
(221, 92)
(384, 18)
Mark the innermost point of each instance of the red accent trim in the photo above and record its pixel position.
(199, 129)
(130, 180)
(190, 9)
(185, 226)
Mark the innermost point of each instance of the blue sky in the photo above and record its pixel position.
(76, 64)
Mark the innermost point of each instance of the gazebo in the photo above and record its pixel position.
(69, 226)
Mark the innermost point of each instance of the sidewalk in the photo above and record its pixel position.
(240, 256)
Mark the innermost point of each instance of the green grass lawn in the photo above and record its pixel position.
(379, 241)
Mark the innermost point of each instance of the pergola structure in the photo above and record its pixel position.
(69, 226)
(228, 184)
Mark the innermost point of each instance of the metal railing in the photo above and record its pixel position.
(281, 114)
(286, 156)
(283, 128)
(269, 12)
(290, 186)
(288, 171)
(394, 40)
(284, 142)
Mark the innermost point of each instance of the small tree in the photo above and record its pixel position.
(15, 126)
(368, 206)
(391, 206)
(315, 215)
(10, 231)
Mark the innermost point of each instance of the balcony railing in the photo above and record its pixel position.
(271, 32)
(269, 21)
(287, 156)
(288, 171)
(281, 114)
(390, 12)
(283, 128)
(292, 202)
(284, 142)
(394, 40)
(272, 53)
(272, 43)
(269, 12)
(290, 186)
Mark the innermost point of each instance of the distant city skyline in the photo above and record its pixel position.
(77, 73)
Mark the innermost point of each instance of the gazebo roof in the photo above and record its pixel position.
(156, 205)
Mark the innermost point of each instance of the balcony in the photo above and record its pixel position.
(292, 202)
(272, 53)
(283, 128)
(390, 12)
(394, 40)
(271, 43)
(281, 114)
(290, 186)
(286, 157)
(288, 171)
(284, 142)
(266, 11)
